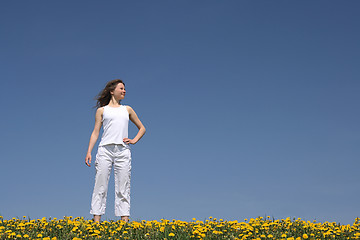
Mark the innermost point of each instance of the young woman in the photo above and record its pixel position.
(113, 150)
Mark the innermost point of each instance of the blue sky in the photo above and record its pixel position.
(251, 107)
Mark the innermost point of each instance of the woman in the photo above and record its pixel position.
(113, 150)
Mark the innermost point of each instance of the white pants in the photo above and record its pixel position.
(107, 156)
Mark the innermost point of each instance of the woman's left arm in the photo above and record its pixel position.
(134, 118)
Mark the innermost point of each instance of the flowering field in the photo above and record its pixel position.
(258, 228)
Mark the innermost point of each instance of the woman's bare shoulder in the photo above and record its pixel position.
(100, 110)
(129, 109)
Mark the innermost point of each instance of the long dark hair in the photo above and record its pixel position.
(104, 97)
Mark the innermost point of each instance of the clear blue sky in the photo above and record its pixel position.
(251, 107)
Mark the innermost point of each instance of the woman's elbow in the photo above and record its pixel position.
(95, 134)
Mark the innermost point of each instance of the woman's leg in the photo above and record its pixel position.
(103, 166)
(122, 172)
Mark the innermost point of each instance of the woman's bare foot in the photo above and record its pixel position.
(97, 218)
(125, 218)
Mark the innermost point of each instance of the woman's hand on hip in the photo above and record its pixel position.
(128, 140)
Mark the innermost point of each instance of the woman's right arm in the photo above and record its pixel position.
(94, 135)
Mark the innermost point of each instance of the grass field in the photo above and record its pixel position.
(255, 228)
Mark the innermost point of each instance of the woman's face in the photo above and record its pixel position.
(119, 91)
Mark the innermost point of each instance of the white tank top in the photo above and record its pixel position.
(115, 123)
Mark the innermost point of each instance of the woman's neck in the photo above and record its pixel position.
(114, 103)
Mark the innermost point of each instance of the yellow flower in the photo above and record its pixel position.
(252, 229)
